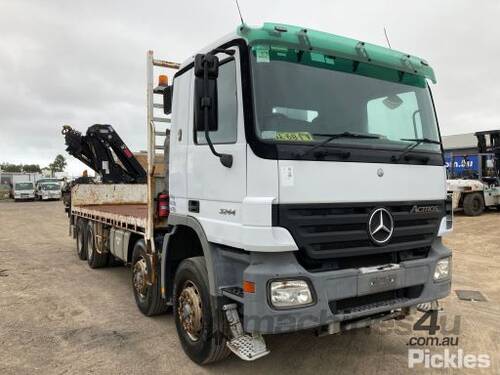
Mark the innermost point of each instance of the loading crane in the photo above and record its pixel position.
(97, 149)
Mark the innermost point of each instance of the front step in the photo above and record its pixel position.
(247, 347)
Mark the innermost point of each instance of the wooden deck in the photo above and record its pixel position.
(126, 216)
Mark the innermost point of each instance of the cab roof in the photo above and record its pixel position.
(335, 45)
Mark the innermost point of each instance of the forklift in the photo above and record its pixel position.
(480, 191)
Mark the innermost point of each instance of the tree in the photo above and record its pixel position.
(31, 168)
(58, 164)
(15, 168)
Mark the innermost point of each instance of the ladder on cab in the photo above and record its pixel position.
(158, 125)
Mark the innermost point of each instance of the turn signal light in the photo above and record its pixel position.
(248, 286)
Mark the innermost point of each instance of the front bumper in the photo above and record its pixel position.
(49, 197)
(24, 197)
(332, 288)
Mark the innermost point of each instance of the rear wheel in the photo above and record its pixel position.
(200, 324)
(81, 249)
(473, 204)
(95, 259)
(147, 295)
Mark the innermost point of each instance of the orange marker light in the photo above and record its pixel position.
(162, 80)
(248, 286)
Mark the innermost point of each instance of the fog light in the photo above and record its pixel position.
(290, 293)
(442, 270)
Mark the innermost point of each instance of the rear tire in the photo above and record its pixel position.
(147, 297)
(94, 258)
(81, 246)
(200, 323)
(473, 204)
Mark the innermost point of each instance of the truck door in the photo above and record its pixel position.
(216, 192)
(181, 117)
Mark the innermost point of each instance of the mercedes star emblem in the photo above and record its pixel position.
(380, 226)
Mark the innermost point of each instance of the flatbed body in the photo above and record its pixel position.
(127, 216)
(123, 206)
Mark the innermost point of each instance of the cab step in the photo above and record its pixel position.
(247, 347)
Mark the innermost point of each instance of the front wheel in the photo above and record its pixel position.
(200, 324)
(473, 204)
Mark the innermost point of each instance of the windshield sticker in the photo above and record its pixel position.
(262, 54)
(318, 57)
(268, 134)
(329, 60)
(294, 136)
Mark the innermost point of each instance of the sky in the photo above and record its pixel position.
(84, 62)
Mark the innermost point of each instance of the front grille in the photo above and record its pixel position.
(338, 231)
(372, 301)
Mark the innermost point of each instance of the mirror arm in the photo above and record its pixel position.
(225, 159)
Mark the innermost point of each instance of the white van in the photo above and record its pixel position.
(24, 191)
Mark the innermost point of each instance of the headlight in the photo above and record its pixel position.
(290, 293)
(442, 270)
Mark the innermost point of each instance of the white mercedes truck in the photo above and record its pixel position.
(300, 186)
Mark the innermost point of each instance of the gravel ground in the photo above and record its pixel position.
(57, 316)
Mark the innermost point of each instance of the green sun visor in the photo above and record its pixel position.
(322, 47)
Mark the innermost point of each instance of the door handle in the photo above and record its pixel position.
(194, 206)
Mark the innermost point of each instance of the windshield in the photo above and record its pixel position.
(306, 97)
(45, 180)
(24, 186)
(50, 187)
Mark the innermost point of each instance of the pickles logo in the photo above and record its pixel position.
(447, 359)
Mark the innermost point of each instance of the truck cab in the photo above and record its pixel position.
(309, 166)
(23, 191)
(48, 190)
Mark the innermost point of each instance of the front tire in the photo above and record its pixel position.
(95, 259)
(473, 204)
(200, 324)
(147, 296)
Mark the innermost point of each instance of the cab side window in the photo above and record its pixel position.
(227, 107)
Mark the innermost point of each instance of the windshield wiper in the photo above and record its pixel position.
(410, 147)
(331, 137)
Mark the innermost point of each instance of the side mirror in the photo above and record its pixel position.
(167, 99)
(206, 71)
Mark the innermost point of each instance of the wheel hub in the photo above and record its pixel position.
(140, 272)
(190, 311)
